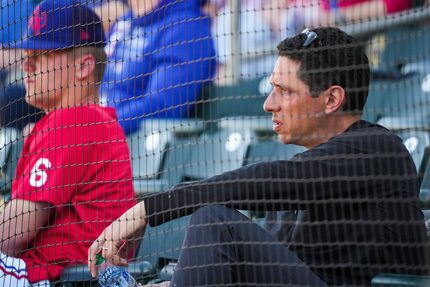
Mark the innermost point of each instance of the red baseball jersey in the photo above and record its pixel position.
(77, 160)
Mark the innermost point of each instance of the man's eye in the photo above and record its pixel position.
(285, 92)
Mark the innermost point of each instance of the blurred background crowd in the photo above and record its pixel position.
(236, 41)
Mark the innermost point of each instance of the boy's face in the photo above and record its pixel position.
(47, 75)
(297, 117)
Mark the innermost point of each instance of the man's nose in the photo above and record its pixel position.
(270, 104)
(27, 65)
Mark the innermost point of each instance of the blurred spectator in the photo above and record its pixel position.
(110, 11)
(161, 54)
(338, 12)
(14, 111)
(261, 28)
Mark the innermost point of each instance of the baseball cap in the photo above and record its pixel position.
(61, 24)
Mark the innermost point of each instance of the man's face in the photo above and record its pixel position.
(46, 77)
(297, 117)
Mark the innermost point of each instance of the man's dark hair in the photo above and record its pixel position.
(333, 58)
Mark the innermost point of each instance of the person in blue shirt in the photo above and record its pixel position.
(14, 111)
(160, 56)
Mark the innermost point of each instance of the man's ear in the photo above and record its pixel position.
(335, 99)
(85, 66)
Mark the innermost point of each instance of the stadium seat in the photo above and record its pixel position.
(218, 152)
(405, 45)
(400, 280)
(415, 141)
(212, 153)
(148, 148)
(404, 95)
(10, 150)
(162, 244)
(244, 98)
(270, 150)
(7, 137)
(425, 186)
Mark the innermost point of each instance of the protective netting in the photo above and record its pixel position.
(249, 158)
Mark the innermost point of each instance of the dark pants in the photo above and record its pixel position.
(222, 247)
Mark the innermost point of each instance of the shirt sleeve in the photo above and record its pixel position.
(321, 176)
(53, 167)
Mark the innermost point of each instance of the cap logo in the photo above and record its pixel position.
(84, 36)
(37, 21)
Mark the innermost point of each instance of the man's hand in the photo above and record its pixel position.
(109, 245)
(113, 241)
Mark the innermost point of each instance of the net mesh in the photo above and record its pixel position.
(250, 171)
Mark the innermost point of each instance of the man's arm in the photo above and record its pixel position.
(20, 222)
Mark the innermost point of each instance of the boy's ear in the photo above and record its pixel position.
(85, 66)
(335, 99)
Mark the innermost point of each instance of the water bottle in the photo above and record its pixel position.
(115, 276)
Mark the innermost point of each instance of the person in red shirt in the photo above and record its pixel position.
(343, 11)
(74, 175)
(319, 13)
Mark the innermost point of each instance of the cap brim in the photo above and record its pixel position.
(31, 44)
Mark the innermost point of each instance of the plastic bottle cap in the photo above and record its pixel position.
(99, 259)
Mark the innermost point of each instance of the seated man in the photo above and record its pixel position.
(160, 56)
(355, 188)
(74, 176)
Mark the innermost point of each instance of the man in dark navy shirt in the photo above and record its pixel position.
(355, 189)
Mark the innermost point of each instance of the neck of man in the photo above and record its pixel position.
(331, 127)
(76, 96)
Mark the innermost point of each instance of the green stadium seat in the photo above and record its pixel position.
(415, 141)
(244, 98)
(400, 280)
(270, 150)
(149, 146)
(162, 244)
(218, 152)
(404, 96)
(405, 45)
(425, 184)
(7, 137)
(11, 144)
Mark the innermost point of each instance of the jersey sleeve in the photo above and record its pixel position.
(52, 167)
